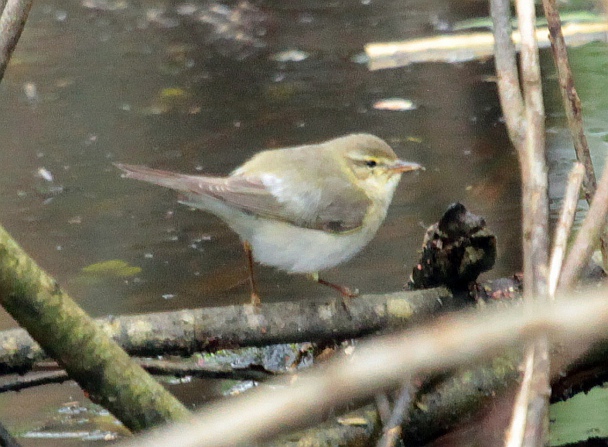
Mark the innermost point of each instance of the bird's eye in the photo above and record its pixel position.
(371, 163)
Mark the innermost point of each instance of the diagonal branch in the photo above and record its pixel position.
(572, 102)
(587, 236)
(12, 21)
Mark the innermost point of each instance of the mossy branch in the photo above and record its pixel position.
(79, 345)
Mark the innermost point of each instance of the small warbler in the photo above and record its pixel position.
(300, 209)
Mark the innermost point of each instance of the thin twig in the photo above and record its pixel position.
(572, 102)
(587, 236)
(533, 160)
(384, 407)
(392, 430)
(535, 221)
(12, 21)
(509, 91)
(574, 110)
(564, 225)
(188, 368)
(537, 422)
(34, 379)
(54, 374)
(517, 428)
(541, 349)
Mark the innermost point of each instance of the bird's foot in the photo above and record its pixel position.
(345, 291)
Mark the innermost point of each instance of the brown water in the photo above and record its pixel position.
(151, 84)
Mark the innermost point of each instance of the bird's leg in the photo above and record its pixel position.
(255, 297)
(346, 292)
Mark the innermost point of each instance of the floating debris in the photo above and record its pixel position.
(31, 91)
(105, 5)
(240, 388)
(45, 174)
(353, 421)
(186, 9)
(290, 56)
(61, 15)
(395, 104)
(236, 31)
(159, 17)
(171, 93)
(177, 380)
(114, 267)
(463, 47)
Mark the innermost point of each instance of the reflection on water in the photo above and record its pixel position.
(201, 87)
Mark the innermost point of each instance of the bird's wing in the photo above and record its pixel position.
(327, 204)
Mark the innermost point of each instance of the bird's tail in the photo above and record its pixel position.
(172, 180)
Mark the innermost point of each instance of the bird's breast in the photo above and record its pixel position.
(302, 250)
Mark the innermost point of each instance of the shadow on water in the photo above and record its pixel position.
(201, 87)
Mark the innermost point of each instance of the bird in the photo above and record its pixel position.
(299, 209)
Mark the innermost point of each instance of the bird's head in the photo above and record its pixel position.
(372, 164)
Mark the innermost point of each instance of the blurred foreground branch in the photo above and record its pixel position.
(382, 364)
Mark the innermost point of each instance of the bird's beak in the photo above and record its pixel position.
(405, 166)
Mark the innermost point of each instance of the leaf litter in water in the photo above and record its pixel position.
(114, 267)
